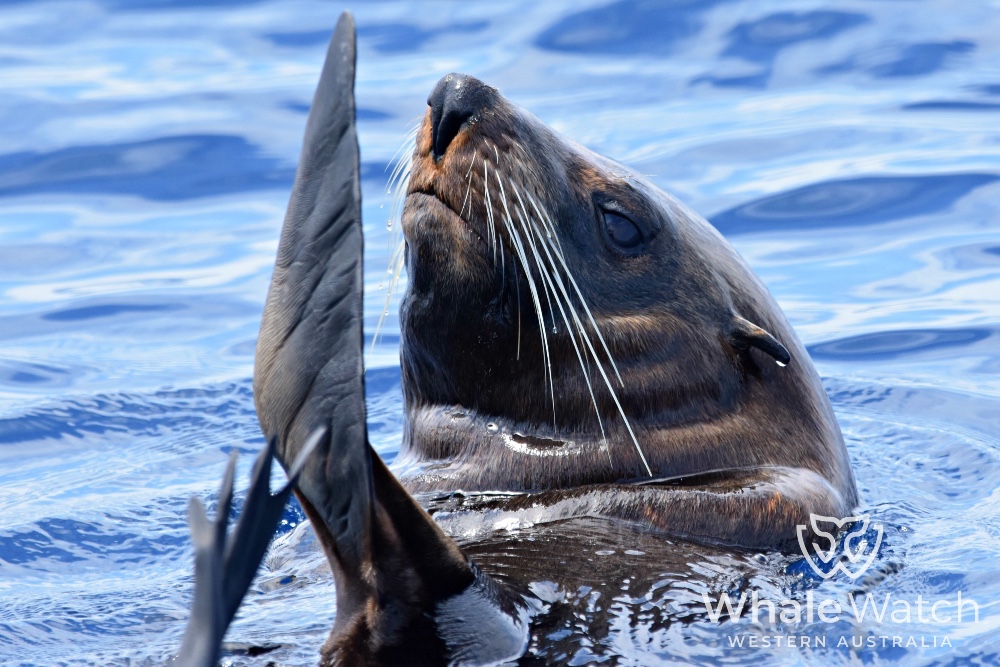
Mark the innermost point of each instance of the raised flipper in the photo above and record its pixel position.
(405, 591)
(225, 564)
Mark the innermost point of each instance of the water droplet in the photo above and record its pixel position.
(555, 329)
(605, 552)
(634, 552)
(492, 428)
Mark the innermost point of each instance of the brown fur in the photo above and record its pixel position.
(699, 398)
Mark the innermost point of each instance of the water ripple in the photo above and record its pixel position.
(904, 342)
(850, 202)
(162, 168)
(147, 152)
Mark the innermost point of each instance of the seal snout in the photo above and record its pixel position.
(456, 100)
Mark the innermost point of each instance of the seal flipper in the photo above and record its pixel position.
(225, 565)
(417, 600)
(309, 370)
(746, 334)
(405, 591)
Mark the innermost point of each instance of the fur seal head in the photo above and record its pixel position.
(567, 322)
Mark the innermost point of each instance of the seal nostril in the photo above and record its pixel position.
(447, 130)
(455, 99)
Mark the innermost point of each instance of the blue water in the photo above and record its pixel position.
(850, 151)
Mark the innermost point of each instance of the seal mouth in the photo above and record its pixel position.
(429, 196)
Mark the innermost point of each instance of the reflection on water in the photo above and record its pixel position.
(626, 28)
(855, 201)
(895, 344)
(163, 168)
(849, 151)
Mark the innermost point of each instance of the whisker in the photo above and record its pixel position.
(396, 207)
(579, 294)
(397, 184)
(550, 291)
(468, 188)
(550, 232)
(621, 411)
(489, 204)
(489, 217)
(531, 244)
(400, 157)
(532, 287)
(407, 140)
(552, 275)
(395, 271)
(405, 160)
(397, 187)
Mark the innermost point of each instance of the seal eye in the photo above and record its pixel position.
(622, 231)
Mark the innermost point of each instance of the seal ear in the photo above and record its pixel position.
(744, 334)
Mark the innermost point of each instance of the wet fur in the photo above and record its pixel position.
(698, 389)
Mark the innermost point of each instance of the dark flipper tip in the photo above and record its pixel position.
(226, 561)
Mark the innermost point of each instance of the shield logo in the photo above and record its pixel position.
(857, 556)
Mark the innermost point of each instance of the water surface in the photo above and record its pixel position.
(850, 151)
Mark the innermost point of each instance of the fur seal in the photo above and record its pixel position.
(576, 346)
(568, 324)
